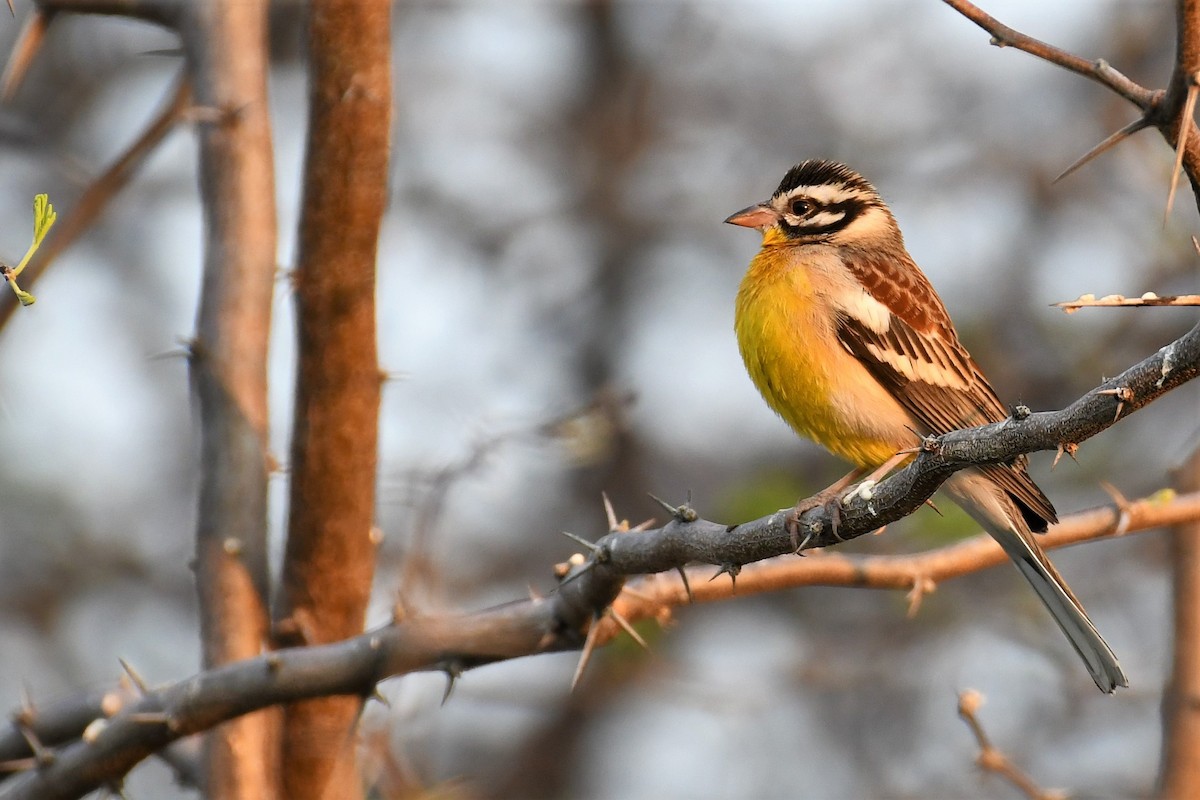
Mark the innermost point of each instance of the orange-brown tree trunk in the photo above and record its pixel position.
(330, 555)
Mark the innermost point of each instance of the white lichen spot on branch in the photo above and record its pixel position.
(1121, 301)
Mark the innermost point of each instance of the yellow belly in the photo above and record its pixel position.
(786, 335)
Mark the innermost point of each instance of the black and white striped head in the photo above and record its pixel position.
(820, 201)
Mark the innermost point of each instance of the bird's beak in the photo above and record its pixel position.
(756, 216)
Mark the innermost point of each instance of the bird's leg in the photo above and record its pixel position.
(828, 498)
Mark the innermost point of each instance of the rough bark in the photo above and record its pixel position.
(330, 557)
(225, 45)
(1179, 776)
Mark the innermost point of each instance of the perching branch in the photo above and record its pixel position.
(131, 730)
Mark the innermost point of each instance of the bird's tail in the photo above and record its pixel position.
(992, 507)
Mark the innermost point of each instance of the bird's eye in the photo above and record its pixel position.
(802, 207)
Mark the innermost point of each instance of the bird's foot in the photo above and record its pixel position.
(829, 499)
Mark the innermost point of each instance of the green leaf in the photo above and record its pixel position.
(44, 216)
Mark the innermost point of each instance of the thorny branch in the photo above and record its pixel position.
(1097, 70)
(454, 643)
(1168, 109)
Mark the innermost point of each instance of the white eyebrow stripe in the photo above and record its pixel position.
(830, 193)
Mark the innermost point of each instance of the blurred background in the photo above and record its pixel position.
(556, 305)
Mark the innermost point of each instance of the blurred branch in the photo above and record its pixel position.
(456, 642)
(100, 192)
(992, 758)
(538, 625)
(29, 41)
(1179, 775)
(225, 44)
(330, 556)
(161, 11)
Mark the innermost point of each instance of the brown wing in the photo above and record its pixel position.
(917, 357)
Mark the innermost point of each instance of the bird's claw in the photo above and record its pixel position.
(828, 499)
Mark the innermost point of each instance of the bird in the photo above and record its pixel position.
(848, 342)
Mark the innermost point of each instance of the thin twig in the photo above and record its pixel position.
(96, 197)
(29, 41)
(1097, 70)
(992, 759)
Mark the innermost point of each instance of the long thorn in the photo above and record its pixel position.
(574, 576)
(1109, 143)
(687, 587)
(589, 646)
(729, 569)
(670, 508)
(579, 540)
(453, 672)
(137, 679)
(613, 525)
(1185, 128)
(625, 626)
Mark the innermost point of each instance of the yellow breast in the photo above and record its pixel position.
(786, 332)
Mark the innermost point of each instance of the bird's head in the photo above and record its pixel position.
(820, 202)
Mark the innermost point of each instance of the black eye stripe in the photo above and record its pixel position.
(850, 210)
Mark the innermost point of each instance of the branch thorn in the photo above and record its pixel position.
(574, 576)
(687, 587)
(453, 669)
(1112, 141)
(1124, 518)
(137, 679)
(579, 540)
(683, 513)
(42, 755)
(1185, 129)
(613, 525)
(585, 655)
(1070, 448)
(729, 569)
(628, 628)
(1123, 394)
(921, 586)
